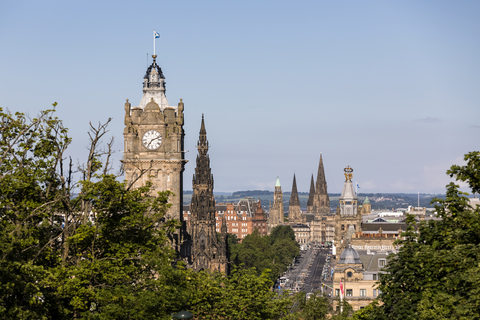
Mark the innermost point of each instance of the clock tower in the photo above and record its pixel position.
(154, 142)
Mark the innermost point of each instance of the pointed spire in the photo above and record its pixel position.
(277, 184)
(294, 200)
(321, 185)
(202, 144)
(202, 171)
(311, 195)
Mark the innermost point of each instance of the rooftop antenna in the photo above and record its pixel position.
(419, 199)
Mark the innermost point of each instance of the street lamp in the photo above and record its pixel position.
(183, 315)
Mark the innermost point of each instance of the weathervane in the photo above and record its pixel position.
(348, 173)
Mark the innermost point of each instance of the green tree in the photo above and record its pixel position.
(274, 252)
(96, 248)
(242, 295)
(436, 272)
(87, 256)
(316, 307)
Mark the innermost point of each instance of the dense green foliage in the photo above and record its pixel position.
(436, 272)
(318, 307)
(274, 252)
(96, 249)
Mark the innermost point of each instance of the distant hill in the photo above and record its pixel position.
(377, 200)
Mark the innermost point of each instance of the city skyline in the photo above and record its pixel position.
(390, 89)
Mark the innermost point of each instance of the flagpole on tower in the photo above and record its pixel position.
(155, 36)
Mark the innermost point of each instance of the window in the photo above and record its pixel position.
(374, 276)
(343, 227)
(234, 218)
(337, 292)
(363, 292)
(374, 292)
(349, 292)
(381, 262)
(349, 274)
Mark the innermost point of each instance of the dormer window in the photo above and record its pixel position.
(382, 262)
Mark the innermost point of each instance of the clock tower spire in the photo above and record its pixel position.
(154, 143)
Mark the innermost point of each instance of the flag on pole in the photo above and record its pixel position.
(155, 34)
(341, 287)
(358, 185)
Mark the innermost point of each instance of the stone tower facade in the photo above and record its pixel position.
(154, 143)
(348, 216)
(321, 200)
(276, 214)
(207, 253)
(294, 212)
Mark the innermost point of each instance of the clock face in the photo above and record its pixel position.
(152, 139)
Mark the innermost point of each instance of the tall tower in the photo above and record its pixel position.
(347, 214)
(275, 216)
(154, 138)
(294, 213)
(311, 196)
(321, 201)
(207, 252)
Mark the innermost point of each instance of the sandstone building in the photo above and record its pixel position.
(276, 215)
(154, 144)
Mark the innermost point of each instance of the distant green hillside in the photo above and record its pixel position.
(377, 200)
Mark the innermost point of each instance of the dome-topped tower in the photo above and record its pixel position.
(349, 256)
(154, 87)
(348, 199)
(154, 146)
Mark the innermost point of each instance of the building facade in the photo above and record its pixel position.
(241, 218)
(355, 277)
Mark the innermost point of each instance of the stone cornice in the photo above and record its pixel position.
(146, 161)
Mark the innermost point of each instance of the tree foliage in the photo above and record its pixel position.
(96, 248)
(436, 272)
(274, 252)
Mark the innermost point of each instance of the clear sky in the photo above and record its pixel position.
(391, 88)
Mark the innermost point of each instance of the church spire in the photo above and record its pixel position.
(203, 173)
(321, 185)
(202, 144)
(294, 200)
(311, 195)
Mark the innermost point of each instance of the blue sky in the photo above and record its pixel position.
(390, 88)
